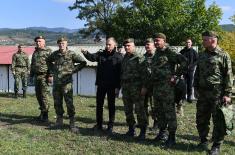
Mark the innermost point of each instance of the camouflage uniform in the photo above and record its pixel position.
(61, 65)
(20, 68)
(131, 86)
(213, 80)
(146, 65)
(163, 68)
(39, 70)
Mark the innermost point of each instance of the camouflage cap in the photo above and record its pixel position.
(149, 40)
(210, 34)
(39, 37)
(129, 40)
(160, 35)
(62, 39)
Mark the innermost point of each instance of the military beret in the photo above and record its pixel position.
(210, 34)
(129, 40)
(38, 37)
(62, 39)
(160, 35)
(149, 40)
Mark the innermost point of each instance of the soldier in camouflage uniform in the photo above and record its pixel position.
(39, 71)
(213, 84)
(131, 83)
(20, 70)
(62, 66)
(150, 49)
(163, 79)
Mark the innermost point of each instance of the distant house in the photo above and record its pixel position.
(83, 81)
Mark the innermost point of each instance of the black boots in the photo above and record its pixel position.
(203, 145)
(24, 93)
(43, 117)
(215, 149)
(171, 140)
(16, 94)
(72, 125)
(110, 129)
(131, 131)
(162, 136)
(59, 121)
(142, 133)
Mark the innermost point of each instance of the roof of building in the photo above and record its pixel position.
(6, 53)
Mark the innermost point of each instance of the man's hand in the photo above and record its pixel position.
(173, 80)
(226, 100)
(50, 79)
(84, 51)
(143, 91)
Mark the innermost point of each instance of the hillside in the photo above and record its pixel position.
(26, 36)
(228, 27)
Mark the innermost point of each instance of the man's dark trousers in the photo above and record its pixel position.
(100, 96)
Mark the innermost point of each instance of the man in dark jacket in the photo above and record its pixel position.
(192, 57)
(107, 80)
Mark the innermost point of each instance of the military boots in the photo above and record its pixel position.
(45, 117)
(162, 136)
(142, 133)
(59, 121)
(24, 93)
(215, 150)
(171, 140)
(72, 125)
(131, 131)
(16, 95)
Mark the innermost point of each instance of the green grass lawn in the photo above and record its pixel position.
(20, 133)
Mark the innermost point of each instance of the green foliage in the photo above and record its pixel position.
(232, 18)
(139, 19)
(97, 13)
(178, 19)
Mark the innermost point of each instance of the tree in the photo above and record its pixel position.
(97, 13)
(178, 19)
(232, 18)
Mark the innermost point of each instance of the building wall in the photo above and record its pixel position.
(83, 82)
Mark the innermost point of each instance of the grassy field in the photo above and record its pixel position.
(20, 133)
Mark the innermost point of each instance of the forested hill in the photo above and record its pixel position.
(26, 35)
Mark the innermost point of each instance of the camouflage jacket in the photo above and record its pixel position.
(38, 62)
(20, 59)
(214, 68)
(62, 65)
(164, 65)
(131, 68)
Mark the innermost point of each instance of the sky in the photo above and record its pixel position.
(55, 13)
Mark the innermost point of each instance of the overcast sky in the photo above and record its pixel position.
(55, 13)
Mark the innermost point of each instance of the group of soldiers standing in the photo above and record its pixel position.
(156, 74)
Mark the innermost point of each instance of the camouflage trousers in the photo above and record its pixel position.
(65, 91)
(164, 106)
(21, 73)
(132, 100)
(42, 92)
(148, 102)
(208, 100)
